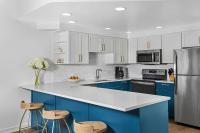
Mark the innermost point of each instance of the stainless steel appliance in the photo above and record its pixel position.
(121, 72)
(143, 86)
(187, 86)
(147, 83)
(149, 56)
(154, 74)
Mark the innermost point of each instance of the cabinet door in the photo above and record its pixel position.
(75, 48)
(191, 38)
(117, 51)
(167, 89)
(149, 42)
(143, 43)
(95, 43)
(154, 42)
(108, 43)
(132, 50)
(83, 39)
(170, 42)
(124, 52)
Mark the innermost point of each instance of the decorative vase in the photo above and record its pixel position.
(37, 78)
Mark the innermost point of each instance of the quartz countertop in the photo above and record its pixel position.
(114, 99)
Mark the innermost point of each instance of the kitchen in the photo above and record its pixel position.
(103, 57)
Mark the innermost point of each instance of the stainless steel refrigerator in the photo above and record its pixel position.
(187, 86)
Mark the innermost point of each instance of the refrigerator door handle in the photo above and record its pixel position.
(176, 73)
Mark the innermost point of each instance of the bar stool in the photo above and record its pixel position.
(55, 115)
(90, 127)
(34, 108)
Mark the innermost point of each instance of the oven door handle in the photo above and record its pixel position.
(144, 83)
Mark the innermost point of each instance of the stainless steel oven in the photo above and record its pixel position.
(149, 56)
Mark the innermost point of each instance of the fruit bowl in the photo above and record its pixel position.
(73, 79)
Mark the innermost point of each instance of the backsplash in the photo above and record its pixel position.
(83, 71)
(89, 71)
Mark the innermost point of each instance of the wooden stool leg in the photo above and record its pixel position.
(45, 126)
(69, 131)
(20, 125)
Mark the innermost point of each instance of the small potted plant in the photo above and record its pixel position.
(38, 65)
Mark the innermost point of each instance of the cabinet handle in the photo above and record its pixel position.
(81, 57)
(199, 40)
(121, 58)
(101, 47)
(104, 47)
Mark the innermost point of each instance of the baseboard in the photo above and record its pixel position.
(12, 129)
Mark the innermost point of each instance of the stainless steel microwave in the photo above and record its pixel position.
(149, 56)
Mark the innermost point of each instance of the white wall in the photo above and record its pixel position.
(18, 44)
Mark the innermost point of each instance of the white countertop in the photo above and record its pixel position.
(114, 99)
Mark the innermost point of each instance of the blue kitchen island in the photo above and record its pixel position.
(122, 111)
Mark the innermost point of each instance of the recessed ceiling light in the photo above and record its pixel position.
(72, 22)
(120, 8)
(67, 14)
(159, 27)
(128, 32)
(108, 28)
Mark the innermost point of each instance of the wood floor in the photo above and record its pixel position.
(177, 128)
(173, 128)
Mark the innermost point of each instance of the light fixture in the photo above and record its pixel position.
(159, 27)
(120, 8)
(71, 22)
(128, 32)
(108, 28)
(67, 14)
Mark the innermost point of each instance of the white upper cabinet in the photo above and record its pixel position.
(191, 38)
(71, 48)
(170, 42)
(120, 52)
(149, 42)
(95, 43)
(79, 48)
(99, 43)
(108, 43)
(132, 50)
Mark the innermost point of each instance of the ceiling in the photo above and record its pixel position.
(138, 16)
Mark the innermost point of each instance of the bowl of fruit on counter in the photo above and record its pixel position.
(73, 78)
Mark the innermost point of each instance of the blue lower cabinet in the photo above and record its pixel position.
(78, 110)
(167, 89)
(118, 85)
(49, 104)
(117, 121)
(149, 119)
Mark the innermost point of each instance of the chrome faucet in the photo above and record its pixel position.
(97, 73)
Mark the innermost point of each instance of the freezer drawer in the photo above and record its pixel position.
(187, 100)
